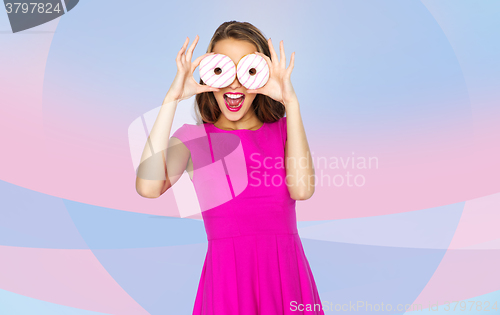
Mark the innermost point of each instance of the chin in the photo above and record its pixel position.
(234, 116)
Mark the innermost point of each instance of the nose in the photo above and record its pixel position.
(236, 84)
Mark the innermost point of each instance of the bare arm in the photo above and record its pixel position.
(298, 161)
(164, 160)
(299, 167)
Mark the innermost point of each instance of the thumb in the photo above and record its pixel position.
(210, 89)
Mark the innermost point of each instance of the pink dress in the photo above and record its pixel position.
(255, 263)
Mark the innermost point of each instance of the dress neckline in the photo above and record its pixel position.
(249, 130)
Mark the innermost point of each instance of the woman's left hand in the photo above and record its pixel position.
(279, 86)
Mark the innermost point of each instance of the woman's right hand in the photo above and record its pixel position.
(184, 85)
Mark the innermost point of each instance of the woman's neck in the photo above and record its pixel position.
(250, 123)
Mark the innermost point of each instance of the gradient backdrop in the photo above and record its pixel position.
(415, 85)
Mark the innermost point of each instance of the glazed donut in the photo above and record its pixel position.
(217, 70)
(252, 71)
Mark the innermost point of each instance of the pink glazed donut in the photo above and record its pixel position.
(253, 71)
(217, 70)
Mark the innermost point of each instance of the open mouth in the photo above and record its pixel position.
(234, 101)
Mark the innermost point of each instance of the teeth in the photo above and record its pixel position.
(234, 96)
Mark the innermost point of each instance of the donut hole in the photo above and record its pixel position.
(252, 71)
(217, 70)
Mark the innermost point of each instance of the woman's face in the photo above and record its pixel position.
(234, 109)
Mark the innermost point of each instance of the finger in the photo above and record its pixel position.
(282, 55)
(210, 89)
(183, 55)
(292, 63)
(189, 53)
(274, 56)
(183, 49)
(178, 58)
(206, 88)
(256, 91)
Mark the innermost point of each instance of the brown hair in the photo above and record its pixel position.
(265, 108)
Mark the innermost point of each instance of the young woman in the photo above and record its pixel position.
(255, 263)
